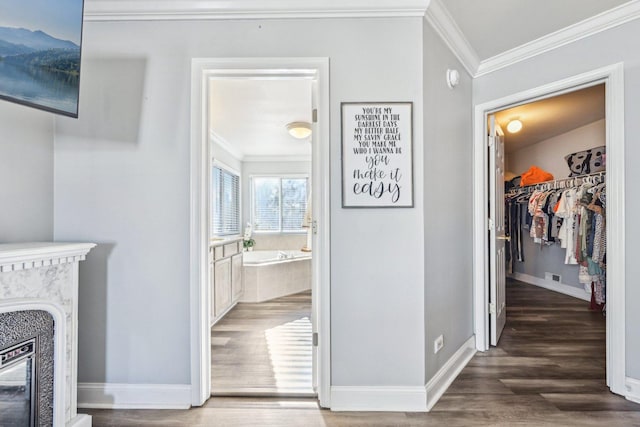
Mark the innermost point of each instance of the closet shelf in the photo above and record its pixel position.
(595, 178)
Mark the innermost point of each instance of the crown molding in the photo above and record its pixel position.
(598, 23)
(282, 158)
(165, 10)
(443, 23)
(225, 145)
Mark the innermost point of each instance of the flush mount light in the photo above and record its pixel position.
(514, 126)
(299, 130)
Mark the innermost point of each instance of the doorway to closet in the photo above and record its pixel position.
(254, 192)
(531, 314)
(549, 168)
(548, 246)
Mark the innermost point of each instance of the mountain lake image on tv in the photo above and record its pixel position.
(40, 53)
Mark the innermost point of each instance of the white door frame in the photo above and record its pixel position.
(613, 77)
(202, 71)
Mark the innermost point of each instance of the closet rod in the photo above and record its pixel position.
(560, 183)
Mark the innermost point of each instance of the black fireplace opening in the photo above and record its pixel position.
(26, 368)
(17, 385)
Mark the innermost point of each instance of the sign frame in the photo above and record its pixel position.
(377, 154)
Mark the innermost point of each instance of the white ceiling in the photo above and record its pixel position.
(554, 116)
(494, 26)
(250, 115)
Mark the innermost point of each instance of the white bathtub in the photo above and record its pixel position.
(272, 274)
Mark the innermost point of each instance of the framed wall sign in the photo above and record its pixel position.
(377, 163)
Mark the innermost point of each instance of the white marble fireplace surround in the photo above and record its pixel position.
(44, 276)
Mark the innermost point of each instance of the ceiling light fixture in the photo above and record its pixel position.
(299, 130)
(514, 126)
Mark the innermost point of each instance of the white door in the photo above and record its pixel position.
(497, 270)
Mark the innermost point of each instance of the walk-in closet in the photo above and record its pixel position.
(555, 195)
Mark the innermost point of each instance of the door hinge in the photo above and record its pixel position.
(314, 115)
(314, 226)
(490, 224)
(315, 339)
(492, 308)
(491, 141)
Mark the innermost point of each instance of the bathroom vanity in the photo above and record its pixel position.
(225, 272)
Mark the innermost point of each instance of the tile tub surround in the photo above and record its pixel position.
(275, 278)
(44, 276)
(279, 241)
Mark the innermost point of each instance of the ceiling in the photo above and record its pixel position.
(554, 116)
(494, 26)
(249, 116)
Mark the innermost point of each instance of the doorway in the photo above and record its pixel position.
(204, 73)
(611, 77)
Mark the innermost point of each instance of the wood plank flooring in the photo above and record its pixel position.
(548, 370)
(264, 348)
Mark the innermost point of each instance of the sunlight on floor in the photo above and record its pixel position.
(290, 351)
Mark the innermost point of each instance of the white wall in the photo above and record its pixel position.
(26, 174)
(605, 48)
(447, 204)
(130, 193)
(549, 154)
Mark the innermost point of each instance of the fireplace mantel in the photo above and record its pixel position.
(44, 276)
(22, 256)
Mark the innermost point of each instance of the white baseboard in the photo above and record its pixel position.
(378, 398)
(444, 377)
(403, 399)
(562, 288)
(80, 420)
(633, 389)
(134, 396)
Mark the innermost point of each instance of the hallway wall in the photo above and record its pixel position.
(129, 191)
(26, 174)
(447, 204)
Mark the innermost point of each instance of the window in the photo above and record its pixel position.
(279, 203)
(225, 201)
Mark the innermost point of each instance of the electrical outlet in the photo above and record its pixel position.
(438, 343)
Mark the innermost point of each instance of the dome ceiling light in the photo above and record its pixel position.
(299, 130)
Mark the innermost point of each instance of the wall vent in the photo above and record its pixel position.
(553, 277)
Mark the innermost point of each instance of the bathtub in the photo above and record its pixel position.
(272, 274)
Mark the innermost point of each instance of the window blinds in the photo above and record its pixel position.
(279, 203)
(225, 215)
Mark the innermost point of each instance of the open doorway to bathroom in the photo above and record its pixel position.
(260, 236)
(261, 306)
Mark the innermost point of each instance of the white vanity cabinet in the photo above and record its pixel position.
(225, 267)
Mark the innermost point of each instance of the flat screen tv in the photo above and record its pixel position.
(40, 45)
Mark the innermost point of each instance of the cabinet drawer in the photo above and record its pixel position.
(218, 253)
(231, 249)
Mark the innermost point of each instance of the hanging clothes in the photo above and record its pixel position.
(573, 217)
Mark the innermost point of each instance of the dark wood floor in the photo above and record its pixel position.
(264, 349)
(548, 370)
